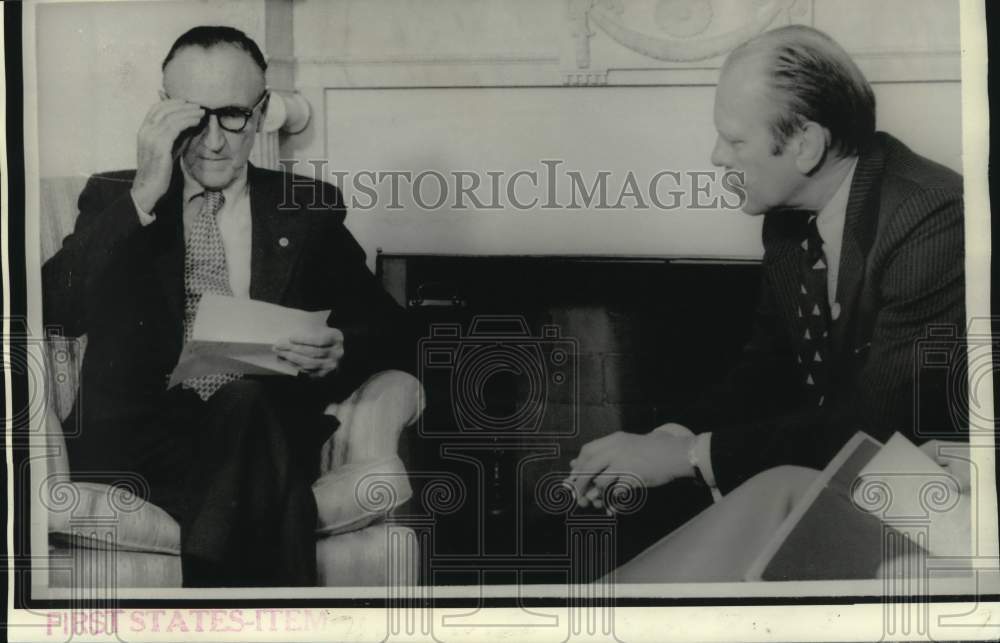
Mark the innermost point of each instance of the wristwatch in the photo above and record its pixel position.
(693, 461)
(698, 475)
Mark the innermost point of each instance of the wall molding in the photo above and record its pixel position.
(910, 66)
(682, 18)
(878, 67)
(509, 58)
(682, 42)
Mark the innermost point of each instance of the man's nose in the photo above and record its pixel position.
(214, 139)
(720, 156)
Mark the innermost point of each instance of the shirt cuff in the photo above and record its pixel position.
(144, 217)
(702, 450)
(675, 430)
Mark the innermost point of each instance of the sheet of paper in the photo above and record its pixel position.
(921, 494)
(233, 335)
(232, 320)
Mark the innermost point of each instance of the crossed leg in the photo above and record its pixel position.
(720, 543)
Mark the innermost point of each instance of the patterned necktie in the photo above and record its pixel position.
(205, 271)
(814, 314)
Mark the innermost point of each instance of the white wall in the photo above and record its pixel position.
(514, 129)
(98, 70)
(514, 60)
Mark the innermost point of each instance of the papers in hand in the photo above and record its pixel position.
(233, 335)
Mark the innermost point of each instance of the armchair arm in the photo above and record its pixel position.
(372, 419)
(361, 476)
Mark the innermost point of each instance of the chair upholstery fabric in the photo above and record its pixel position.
(383, 554)
(354, 496)
(84, 567)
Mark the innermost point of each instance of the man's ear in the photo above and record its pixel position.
(813, 143)
(262, 115)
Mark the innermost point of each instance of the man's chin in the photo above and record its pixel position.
(214, 179)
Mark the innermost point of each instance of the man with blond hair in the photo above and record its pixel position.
(863, 255)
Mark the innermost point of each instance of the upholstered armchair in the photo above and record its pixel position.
(106, 534)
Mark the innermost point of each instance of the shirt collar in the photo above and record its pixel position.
(231, 192)
(831, 217)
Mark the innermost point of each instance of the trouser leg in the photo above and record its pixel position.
(722, 542)
(251, 517)
(151, 449)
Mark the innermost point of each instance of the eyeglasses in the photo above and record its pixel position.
(231, 118)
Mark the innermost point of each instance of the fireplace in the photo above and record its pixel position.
(524, 360)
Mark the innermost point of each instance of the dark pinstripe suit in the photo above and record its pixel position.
(901, 270)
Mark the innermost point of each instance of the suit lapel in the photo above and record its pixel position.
(784, 232)
(168, 246)
(860, 225)
(278, 237)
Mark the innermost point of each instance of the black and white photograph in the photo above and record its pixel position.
(633, 320)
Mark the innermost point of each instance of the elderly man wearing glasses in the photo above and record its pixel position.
(232, 458)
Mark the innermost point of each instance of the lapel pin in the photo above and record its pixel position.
(283, 242)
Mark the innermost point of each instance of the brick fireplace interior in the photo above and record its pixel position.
(526, 359)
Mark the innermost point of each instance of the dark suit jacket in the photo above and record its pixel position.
(901, 272)
(123, 285)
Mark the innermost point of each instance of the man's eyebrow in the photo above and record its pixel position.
(214, 109)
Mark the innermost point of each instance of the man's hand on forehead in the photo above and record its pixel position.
(164, 123)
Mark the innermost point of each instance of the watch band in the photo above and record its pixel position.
(698, 475)
(693, 461)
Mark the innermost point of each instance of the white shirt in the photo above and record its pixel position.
(830, 223)
(234, 225)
